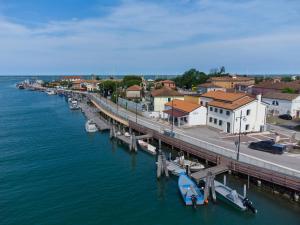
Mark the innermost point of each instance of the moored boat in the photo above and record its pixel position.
(191, 194)
(74, 105)
(193, 166)
(50, 92)
(20, 86)
(90, 126)
(147, 147)
(234, 199)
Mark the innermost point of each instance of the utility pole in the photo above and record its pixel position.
(239, 141)
(136, 109)
(117, 98)
(172, 126)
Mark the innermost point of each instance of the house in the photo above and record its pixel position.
(206, 87)
(92, 85)
(71, 78)
(231, 82)
(226, 111)
(159, 97)
(192, 97)
(282, 103)
(166, 83)
(181, 112)
(133, 91)
(275, 86)
(78, 85)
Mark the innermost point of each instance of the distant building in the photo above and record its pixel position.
(206, 87)
(159, 97)
(181, 112)
(166, 83)
(231, 82)
(192, 98)
(133, 91)
(224, 111)
(92, 85)
(275, 86)
(78, 85)
(71, 78)
(282, 103)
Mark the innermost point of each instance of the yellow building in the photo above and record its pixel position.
(192, 98)
(230, 82)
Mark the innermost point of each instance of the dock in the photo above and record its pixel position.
(215, 170)
(92, 114)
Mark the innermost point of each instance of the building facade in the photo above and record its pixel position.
(133, 91)
(230, 82)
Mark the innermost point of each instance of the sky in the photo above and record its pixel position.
(49, 37)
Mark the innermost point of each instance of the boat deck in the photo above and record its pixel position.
(214, 170)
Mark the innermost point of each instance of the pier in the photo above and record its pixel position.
(215, 170)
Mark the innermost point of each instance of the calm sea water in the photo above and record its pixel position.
(53, 172)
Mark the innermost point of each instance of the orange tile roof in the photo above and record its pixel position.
(232, 78)
(134, 88)
(232, 105)
(183, 105)
(167, 81)
(223, 96)
(165, 92)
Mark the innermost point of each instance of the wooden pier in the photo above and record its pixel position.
(215, 170)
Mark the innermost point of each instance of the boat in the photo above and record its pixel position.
(193, 166)
(174, 168)
(20, 86)
(50, 92)
(231, 197)
(90, 126)
(147, 147)
(74, 105)
(191, 194)
(126, 134)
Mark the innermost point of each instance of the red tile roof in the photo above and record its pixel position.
(232, 105)
(223, 96)
(165, 92)
(183, 105)
(134, 88)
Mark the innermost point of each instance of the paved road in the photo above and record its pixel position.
(195, 135)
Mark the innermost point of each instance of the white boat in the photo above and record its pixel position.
(147, 147)
(74, 105)
(193, 166)
(126, 134)
(174, 168)
(90, 126)
(50, 92)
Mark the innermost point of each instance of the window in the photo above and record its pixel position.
(247, 127)
(216, 110)
(275, 102)
(227, 113)
(201, 103)
(210, 119)
(221, 111)
(169, 99)
(210, 108)
(220, 122)
(248, 112)
(215, 121)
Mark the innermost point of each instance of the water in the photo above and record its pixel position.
(53, 172)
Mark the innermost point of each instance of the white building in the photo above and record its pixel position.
(226, 111)
(159, 97)
(282, 103)
(92, 85)
(71, 78)
(181, 112)
(207, 87)
(133, 91)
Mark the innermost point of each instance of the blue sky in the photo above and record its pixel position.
(149, 37)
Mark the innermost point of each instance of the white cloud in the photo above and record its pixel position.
(156, 38)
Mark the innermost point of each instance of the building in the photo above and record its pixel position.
(133, 91)
(71, 78)
(226, 111)
(206, 87)
(231, 82)
(193, 98)
(275, 85)
(91, 85)
(166, 83)
(159, 97)
(78, 85)
(282, 103)
(181, 112)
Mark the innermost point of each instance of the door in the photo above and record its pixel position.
(228, 127)
(298, 114)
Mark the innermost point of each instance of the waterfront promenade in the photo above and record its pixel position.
(281, 163)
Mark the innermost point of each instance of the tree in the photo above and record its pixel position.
(107, 87)
(288, 90)
(218, 72)
(131, 80)
(286, 79)
(191, 78)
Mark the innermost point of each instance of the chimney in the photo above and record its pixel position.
(258, 97)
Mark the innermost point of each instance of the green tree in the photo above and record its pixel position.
(286, 79)
(289, 90)
(131, 80)
(191, 78)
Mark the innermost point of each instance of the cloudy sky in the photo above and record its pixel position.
(148, 36)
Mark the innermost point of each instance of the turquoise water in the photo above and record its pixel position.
(53, 172)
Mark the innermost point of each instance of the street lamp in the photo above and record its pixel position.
(241, 117)
(136, 108)
(172, 125)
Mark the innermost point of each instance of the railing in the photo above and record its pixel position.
(197, 142)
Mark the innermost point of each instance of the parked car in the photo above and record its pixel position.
(285, 117)
(169, 133)
(268, 146)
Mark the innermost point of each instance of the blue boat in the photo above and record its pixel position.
(190, 193)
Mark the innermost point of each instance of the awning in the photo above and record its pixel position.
(175, 113)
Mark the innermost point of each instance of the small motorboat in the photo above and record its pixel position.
(90, 127)
(191, 194)
(147, 147)
(231, 197)
(50, 92)
(126, 134)
(174, 168)
(74, 105)
(20, 86)
(193, 166)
